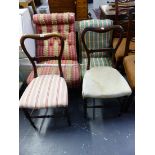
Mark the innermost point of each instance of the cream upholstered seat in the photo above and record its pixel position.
(104, 82)
(45, 91)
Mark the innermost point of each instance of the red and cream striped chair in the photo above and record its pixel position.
(44, 91)
(63, 23)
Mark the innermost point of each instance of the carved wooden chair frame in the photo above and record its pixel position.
(44, 58)
(110, 50)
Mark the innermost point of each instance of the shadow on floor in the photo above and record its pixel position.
(108, 134)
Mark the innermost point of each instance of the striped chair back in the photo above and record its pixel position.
(95, 40)
(62, 23)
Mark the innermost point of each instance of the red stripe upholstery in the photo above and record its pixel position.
(62, 23)
(45, 91)
(54, 18)
(70, 70)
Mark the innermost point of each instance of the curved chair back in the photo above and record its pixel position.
(43, 58)
(130, 31)
(108, 51)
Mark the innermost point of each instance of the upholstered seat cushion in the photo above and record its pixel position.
(121, 49)
(45, 91)
(71, 71)
(104, 82)
(94, 62)
(129, 66)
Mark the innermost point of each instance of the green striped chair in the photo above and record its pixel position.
(94, 41)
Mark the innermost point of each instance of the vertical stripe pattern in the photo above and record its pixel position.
(95, 40)
(71, 72)
(62, 23)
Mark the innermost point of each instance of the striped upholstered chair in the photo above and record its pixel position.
(63, 23)
(101, 81)
(95, 41)
(44, 91)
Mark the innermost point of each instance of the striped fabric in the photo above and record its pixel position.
(71, 71)
(54, 18)
(45, 91)
(62, 23)
(95, 62)
(95, 40)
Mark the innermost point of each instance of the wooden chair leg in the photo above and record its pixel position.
(43, 120)
(121, 107)
(85, 108)
(29, 118)
(93, 108)
(68, 116)
(129, 102)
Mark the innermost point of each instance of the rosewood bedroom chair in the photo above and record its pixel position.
(45, 91)
(63, 23)
(103, 82)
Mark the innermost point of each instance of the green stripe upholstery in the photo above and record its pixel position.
(95, 41)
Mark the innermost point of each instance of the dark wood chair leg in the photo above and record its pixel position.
(68, 116)
(43, 120)
(129, 102)
(29, 118)
(93, 108)
(121, 107)
(85, 108)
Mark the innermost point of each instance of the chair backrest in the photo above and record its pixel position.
(106, 50)
(122, 8)
(130, 32)
(92, 39)
(41, 37)
(63, 23)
